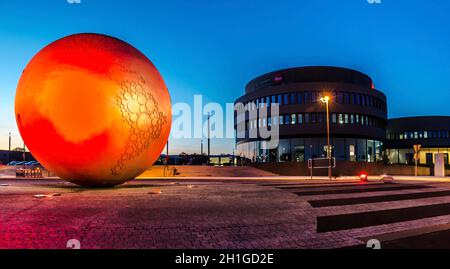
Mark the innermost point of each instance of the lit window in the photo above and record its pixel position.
(275, 120)
(346, 119)
(357, 119)
(352, 119)
(293, 119)
(300, 118)
(269, 121)
(425, 134)
(281, 120)
(401, 136)
(341, 119)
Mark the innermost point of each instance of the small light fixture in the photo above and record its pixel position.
(363, 177)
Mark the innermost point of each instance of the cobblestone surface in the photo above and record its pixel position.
(195, 214)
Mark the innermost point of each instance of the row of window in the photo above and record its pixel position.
(418, 135)
(316, 117)
(309, 97)
(303, 149)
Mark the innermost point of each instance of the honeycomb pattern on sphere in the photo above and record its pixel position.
(141, 112)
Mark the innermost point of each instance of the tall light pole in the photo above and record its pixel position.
(9, 149)
(209, 138)
(326, 100)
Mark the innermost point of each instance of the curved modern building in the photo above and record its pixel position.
(432, 133)
(358, 115)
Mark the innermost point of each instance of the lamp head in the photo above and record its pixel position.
(325, 99)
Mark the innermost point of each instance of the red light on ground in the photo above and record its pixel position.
(363, 177)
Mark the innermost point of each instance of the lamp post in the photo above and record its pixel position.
(9, 149)
(209, 138)
(326, 100)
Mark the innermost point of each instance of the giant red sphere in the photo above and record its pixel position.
(93, 110)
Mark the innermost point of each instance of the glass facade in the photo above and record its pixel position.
(406, 156)
(302, 149)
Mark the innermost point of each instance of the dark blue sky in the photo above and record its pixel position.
(214, 48)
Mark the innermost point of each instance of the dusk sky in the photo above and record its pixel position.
(214, 48)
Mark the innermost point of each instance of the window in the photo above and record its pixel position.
(306, 118)
(425, 134)
(320, 117)
(264, 122)
(357, 119)
(307, 98)
(313, 97)
(286, 99)
(279, 100)
(275, 120)
(287, 119)
(268, 101)
(269, 121)
(340, 98)
(363, 100)
(352, 119)
(300, 118)
(292, 99)
(261, 102)
(313, 117)
(346, 118)
(281, 119)
(358, 99)
(300, 98)
(401, 136)
(333, 118)
(341, 119)
(346, 98)
(274, 99)
(294, 119)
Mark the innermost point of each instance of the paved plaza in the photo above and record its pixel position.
(225, 213)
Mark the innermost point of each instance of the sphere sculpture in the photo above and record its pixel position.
(93, 110)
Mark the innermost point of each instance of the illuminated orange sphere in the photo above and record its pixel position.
(93, 110)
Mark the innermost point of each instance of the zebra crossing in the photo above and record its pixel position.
(377, 208)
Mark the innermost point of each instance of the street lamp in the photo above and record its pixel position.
(326, 100)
